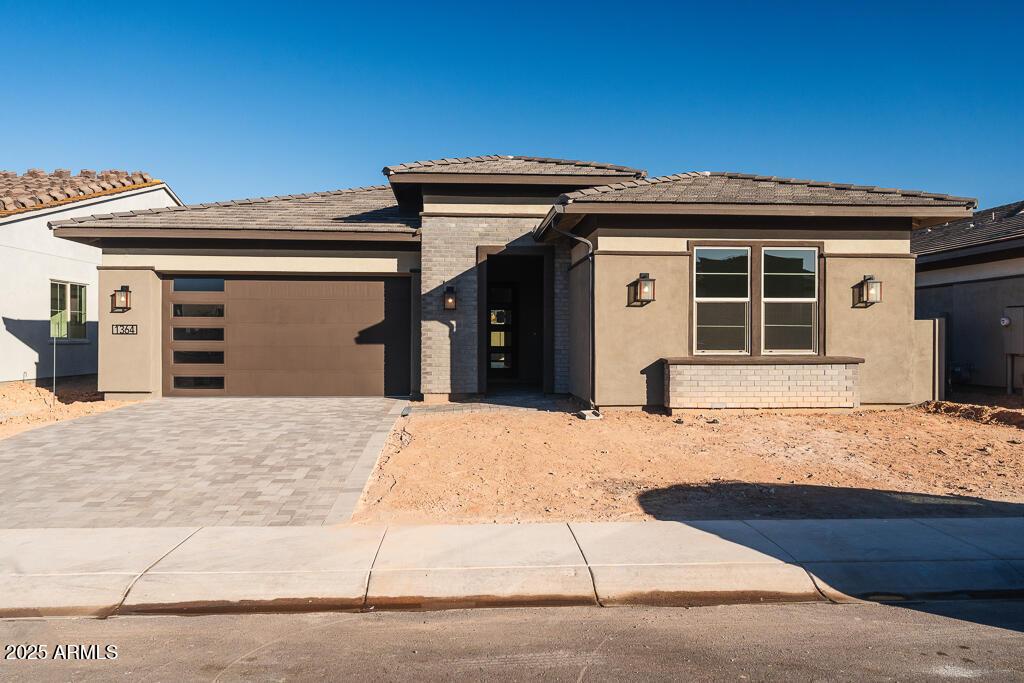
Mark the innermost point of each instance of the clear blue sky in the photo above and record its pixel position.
(228, 101)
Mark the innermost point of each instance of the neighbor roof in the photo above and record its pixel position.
(985, 227)
(515, 165)
(37, 189)
(707, 187)
(362, 209)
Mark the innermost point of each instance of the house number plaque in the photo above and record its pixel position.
(125, 329)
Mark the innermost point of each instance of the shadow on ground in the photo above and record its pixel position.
(742, 500)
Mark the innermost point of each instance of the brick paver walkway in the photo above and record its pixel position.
(201, 461)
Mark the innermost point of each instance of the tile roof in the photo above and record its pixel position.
(985, 227)
(515, 165)
(37, 189)
(361, 209)
(707, 187)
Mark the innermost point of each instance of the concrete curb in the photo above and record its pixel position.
(100, 572)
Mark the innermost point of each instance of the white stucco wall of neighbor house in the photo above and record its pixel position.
(30, 258)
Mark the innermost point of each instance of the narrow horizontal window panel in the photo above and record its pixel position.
(721, 286)
(198, 382)
(198, 284)
(207, 357)
(198, 334)
(722, 326)
(789, 286)
(198, 310)
(718, 260)
(790, 327)
(791, 261)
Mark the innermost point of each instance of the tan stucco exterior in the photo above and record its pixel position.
(129, 365)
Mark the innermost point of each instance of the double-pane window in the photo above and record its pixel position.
(722, 299)
(67, 310)
(790, 300)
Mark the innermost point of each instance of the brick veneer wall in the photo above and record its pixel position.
(762, 386)
(448, 352)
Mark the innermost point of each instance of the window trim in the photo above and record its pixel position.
(66, 337)
(755, 284)
(711, 300)
(778, 300)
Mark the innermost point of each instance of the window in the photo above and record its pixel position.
(722, 299)
(198, 284)
(790, 300)
(198, 382)
(198, 334)
(198, 310)
(67, 310)
(216, 357)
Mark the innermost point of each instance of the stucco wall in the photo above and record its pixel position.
(31, 257)
(449, 352)
(631, 340)
(972, 311)
(131, 364)
(898, 351)
(579, 330)
(882, 334)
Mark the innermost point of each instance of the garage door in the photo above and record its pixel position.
(266, 336)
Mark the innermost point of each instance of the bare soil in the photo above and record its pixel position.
(936, 460)
(23, 405)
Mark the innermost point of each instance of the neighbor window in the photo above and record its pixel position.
(722, 299)
(67, 310)
(790, 300)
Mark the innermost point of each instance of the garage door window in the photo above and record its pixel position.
(198, 284)
(198, 310)
(198, 334)
(198, 382)
(215, 357)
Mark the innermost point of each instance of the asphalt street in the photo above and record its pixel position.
(976, 640)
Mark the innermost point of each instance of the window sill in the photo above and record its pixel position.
(777, 359)
(69, 342)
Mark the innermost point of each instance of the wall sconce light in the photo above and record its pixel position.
(641, 290)
(868, 291)
(449, 298)
(121, 300)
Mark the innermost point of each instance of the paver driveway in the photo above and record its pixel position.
(196, 461)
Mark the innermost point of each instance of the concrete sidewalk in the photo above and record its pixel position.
(101, 572)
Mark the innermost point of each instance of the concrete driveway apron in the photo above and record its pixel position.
(196, 461)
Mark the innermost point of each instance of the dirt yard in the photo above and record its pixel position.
(940, 460)
(23, 405)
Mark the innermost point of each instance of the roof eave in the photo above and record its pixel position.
(940, 213)
(91, 235)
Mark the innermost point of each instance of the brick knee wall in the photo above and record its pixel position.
(762, 386)
(448, 351)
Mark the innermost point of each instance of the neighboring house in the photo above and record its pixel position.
(48, 285)
(968, 272)
(467, 276)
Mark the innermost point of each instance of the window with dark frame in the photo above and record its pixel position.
(721, 299)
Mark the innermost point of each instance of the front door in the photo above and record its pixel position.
(502, 361)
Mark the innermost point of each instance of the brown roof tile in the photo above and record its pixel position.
(706, 187)
(37, 189)
(362, 209)
(494, 164)
(987, 226)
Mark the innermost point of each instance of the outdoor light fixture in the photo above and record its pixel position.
(449, 298)
(868, 291)
(641, 290)
(121, 300)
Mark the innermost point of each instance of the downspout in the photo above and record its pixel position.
(593, 307)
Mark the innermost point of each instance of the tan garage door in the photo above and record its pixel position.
(266, 336)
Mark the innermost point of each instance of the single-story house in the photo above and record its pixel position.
(464, 276)
(969, 272)
(48, 286)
